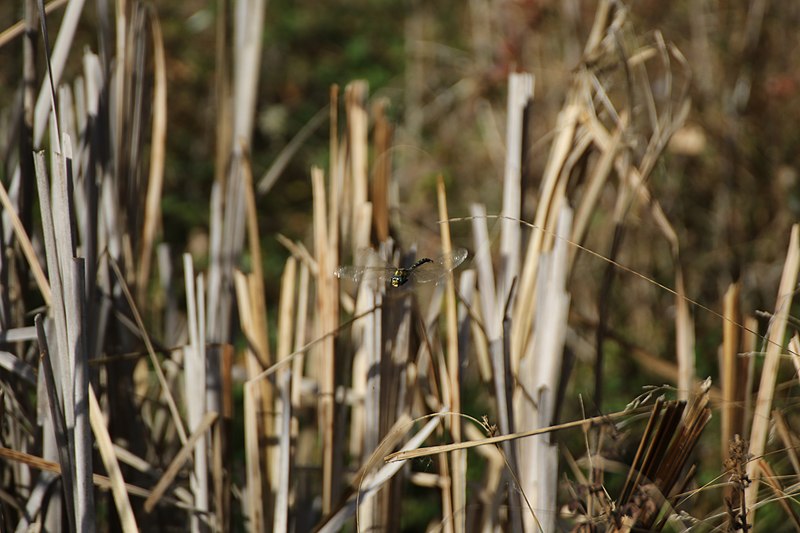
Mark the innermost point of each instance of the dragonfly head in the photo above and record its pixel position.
(399, 277)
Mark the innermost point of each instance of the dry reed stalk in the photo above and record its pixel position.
(252, 401)
(252, 434)
(501, 370)
(109, 458)
(195, 379)
(684, 342)
(769, 372)
(731, 413)
(539, 373)
(449, 516)
(336, 179)
(492, 322)
(70, 332)
(596, 180)
(749, 346)
(355, 197)
(466, 296)
(256, 280)
(382, 170)
(549, 200)
(56, 61)
(363, 426)
(155, 181)
(283, 428)
(221, 445)
(286, 310)
(300, 332)
(283, 407)
(55, 400)
(458, 459)
(248, 27)
(260, 357)
(77, 322)
(223, 130)
(479, 340)
(520, 96)
(326, 286)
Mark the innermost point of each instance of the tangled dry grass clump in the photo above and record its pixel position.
(142, 388)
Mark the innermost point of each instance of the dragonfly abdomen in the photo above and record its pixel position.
(420, 263)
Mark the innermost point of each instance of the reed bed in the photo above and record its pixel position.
(145, 389)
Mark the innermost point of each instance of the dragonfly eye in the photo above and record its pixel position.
(398, 278)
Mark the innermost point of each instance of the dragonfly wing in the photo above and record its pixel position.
(357, 273)
(429, 272)
(352, 273)
(369, 265)
(453, 259)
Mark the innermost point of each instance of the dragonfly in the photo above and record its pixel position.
(424, 270)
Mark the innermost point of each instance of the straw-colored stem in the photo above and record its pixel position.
(325, 288)
(731, 413)
(152, 211)
(458, 459)
(769, 372)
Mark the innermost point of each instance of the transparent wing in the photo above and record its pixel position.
(430, 272)
(369, 265)
(427, 273)
(356, 273)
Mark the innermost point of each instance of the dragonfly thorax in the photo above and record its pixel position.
(400, 276)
